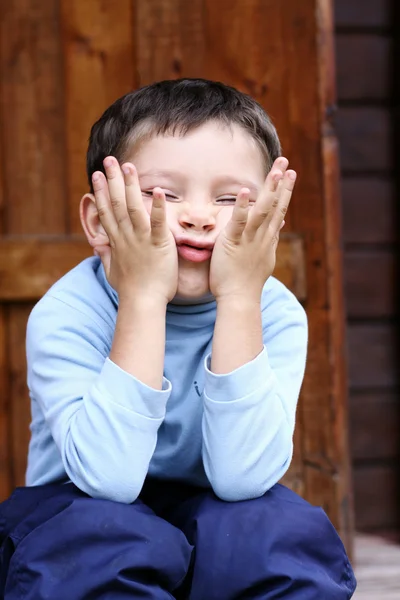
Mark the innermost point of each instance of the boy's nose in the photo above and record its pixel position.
(198, 219)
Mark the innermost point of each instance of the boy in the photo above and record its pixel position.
(164, 374)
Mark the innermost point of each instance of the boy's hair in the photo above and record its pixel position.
(176, 107)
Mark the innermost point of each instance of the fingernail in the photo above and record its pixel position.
(126, 169)
(292, 175)
(107, 162)
(95, 177)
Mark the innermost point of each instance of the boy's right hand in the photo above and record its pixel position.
(142, 259)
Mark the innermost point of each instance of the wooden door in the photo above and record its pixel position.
(62, 63)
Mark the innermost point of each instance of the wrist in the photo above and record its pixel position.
(142, 302)
(239, 302)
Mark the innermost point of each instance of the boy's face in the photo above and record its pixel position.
(200, 173)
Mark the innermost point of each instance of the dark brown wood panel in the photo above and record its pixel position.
(369, 210)
(99, 68)
(365, 142)
(5, 458)
(33, 165)
(370, 284)
(376, 495)
(374, 425)
(170, 39)
(372, 355)
(367, 56)
(369, 13)
(32, 123)
(20, 406)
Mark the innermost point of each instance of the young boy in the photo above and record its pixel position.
(164, 374)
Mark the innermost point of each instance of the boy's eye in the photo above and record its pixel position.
(229, 200)
(149, 194)
(226, 200)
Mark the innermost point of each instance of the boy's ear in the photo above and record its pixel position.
(94, 231)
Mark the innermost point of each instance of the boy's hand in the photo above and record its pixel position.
(142, 259)
(245, 251)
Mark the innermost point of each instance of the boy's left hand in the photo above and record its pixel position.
(244, 254)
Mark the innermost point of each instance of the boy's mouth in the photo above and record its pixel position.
(194, 251)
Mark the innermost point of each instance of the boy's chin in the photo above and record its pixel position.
(193, 292)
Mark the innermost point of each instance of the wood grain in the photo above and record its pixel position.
(32, 99)
(370, 279)
(364, 134)
(377, 568)
(369, 210)
(20, 413)
(374, 425)
(372, 355)
(28, 267)
(170, 39)
(353, 53)
(99, 68)
(376, 495)
(374, 13)
(5, 458)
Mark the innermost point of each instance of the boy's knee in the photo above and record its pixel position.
(278, 543)
(79, 545)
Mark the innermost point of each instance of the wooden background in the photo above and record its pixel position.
(366, 35)
(62, 62)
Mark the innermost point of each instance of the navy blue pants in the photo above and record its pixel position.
(56, 543)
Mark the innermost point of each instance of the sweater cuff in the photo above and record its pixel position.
(130, 393)
(241, 382)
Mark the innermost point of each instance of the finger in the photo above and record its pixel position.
(238, 221)
(134, 201)
(158, 215)
(266, 202)
(103, 204)
(116, 187)
(286, 190)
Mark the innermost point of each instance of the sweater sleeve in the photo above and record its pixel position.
(249, 414)
(103, 420)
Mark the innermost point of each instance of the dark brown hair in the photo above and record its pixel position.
(177, 107)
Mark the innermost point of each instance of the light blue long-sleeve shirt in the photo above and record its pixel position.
(104, 430)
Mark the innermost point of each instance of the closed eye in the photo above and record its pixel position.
(229, 200)
(226, 200)
(149, 194)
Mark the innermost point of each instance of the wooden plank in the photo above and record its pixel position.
(340, 498)
(374, 425)
(5, 473)
(365, 139)
(99, 68)
(376, 497)
(170, 40)
(20, 414)
(372, 13)
(370, 279)
(32, 126)
(354, 80)
(372, 355)
(369, 208)
(377, 568)
(28, 267)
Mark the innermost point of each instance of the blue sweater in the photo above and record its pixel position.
(104, 430)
